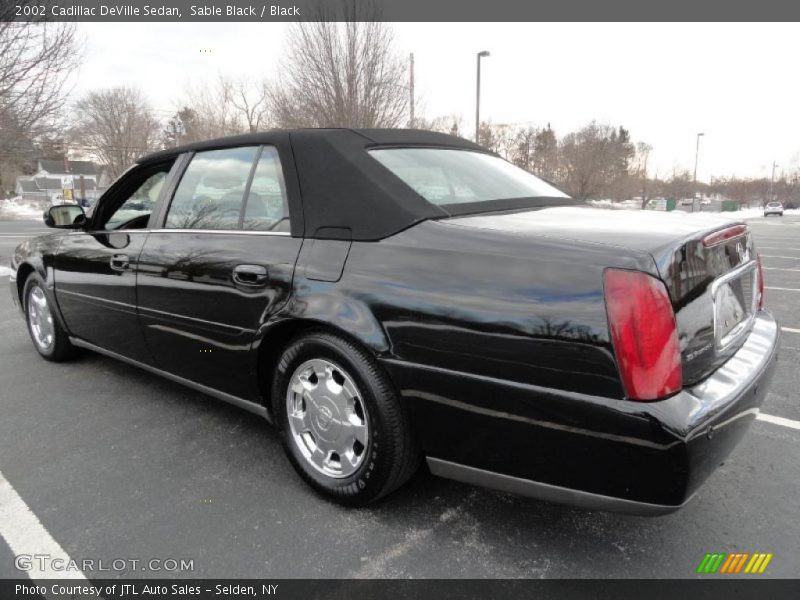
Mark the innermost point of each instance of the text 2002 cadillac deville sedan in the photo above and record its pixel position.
(383, 295)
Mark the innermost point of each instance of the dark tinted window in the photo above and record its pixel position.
(444, 176)
(267, 208)
(211, 190)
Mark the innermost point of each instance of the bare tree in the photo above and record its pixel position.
(451, 124)
(595, 160)
(341, 74)
(117, 125)
(642, 157)
(212, 111)
(251, 102)
(679, 185)
(36, 60)
(545, 154)
(497, 138)
(226, 107)
(522, 148)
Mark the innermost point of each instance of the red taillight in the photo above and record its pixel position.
(760, 283)
(644, 334)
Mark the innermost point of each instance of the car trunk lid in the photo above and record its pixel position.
(707, 262)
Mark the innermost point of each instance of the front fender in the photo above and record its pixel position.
(37, 255)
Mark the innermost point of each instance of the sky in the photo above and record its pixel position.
(665, 82)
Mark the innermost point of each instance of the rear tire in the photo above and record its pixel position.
(47, 335)
(341, 423)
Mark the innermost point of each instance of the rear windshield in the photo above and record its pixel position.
(774, 204)
(452, 177)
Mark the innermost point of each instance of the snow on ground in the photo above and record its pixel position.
(17, 207)
(745, 213)
(5, 271)
(625, 204)
(755, 213)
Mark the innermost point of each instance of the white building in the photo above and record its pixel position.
(52, 177)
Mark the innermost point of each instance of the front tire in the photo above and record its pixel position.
(340, 419)
(49, 338)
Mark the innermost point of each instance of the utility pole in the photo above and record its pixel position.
(411, 89)
(696, 155)
(481, 54)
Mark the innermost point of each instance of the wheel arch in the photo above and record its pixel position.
(274, 338)
(23, 272)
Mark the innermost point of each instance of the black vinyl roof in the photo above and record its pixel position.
(345, 192)
(379, 137)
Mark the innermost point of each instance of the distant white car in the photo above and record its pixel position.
(773, 208)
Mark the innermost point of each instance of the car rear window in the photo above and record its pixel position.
(446, 176)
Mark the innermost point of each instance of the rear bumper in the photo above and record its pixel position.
(607, 454)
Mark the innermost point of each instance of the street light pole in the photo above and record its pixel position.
(696, 156)
(478, 96)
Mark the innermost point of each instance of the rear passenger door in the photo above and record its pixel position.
(219, 266)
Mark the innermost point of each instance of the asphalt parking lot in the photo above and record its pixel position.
(117, 463)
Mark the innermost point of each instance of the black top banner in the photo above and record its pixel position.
(398, 10)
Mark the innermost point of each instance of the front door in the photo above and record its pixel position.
(95, 270)
(221, 265)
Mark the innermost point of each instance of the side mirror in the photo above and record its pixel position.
(65, 216)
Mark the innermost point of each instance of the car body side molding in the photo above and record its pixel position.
(247, 405)
(546, 491)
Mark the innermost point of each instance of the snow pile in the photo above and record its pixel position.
(19, 208)
(625, 204)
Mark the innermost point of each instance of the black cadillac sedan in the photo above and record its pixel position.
(388, 296)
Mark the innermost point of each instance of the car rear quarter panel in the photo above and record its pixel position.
(492, 304)
(499, 347)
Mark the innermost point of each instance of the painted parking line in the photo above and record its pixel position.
(779, 256)
(790, 329)
(26, 535)
(767, 287)
(23, 235)
(790, 423)
(780, 269)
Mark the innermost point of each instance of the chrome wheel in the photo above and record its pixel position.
(327, 418)
(40, 319)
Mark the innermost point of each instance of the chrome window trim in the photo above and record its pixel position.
(222, 231)
(212, 231)
(722, 343)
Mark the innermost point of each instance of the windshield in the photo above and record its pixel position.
(446, 176)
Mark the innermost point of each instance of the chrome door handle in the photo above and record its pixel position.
(120, 262)
(250, 275)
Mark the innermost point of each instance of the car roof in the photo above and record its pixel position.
(376, 136)
(346, 194)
